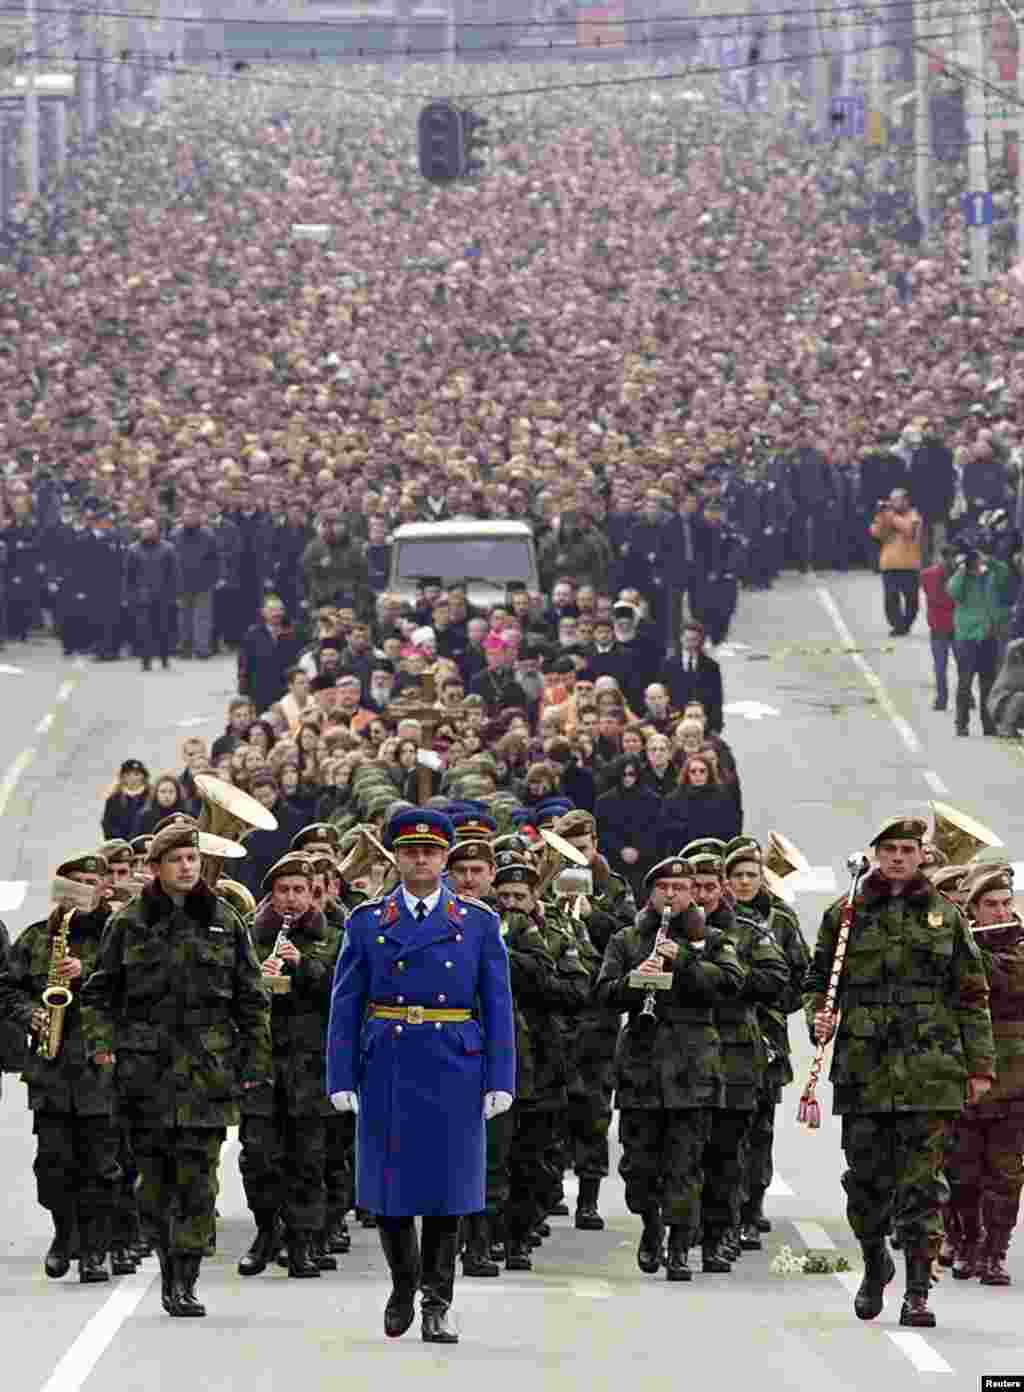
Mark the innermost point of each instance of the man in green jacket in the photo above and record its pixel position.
(914, 1043)
(979, 589)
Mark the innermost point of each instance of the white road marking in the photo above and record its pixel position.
(935, 783)
(8, 671)
(750, 710)
(779, 1189)
(903, 729)
(73, 1370)
(814, 1237)
(920, 1352)
(10, 779)
(65, 689)
(191, 720)
(591, 1290)
(46, 722)
(12, 895)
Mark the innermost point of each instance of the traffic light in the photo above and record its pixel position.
(474, 141)
(440, 139)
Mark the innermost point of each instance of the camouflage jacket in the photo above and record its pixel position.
(177, 994)
(575, 967)
(298, 1018)
(68, 1083)
(781, 922)
(680, 1065)
(538, 992)
(1002, 955)
(913, 998)
(612, 906)
(745, 1052)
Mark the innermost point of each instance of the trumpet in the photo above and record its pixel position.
(56, 997)
(646, 1022)
(280, 985)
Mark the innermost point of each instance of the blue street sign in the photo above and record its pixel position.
(847, 116)
(977, 209)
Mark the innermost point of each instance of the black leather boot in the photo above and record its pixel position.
(879, 1269)
(58, 1257)
(189, 1264)
(750, 1238)
(339, 1239)
(264, 1246)
(122, 1263)
(587, 1217)
(677, 1264)
(915, 1312)
(497, 1249)
(437, 1284)
(476, 1258)
(321, 1253)
(94, 1235)
(177, 1302)
(401, 1248)
(713, 1259)
(649, 1254)
(300, 1256)
(166, 1278)
(92, 1268)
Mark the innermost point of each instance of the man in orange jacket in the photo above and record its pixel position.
(897, 527)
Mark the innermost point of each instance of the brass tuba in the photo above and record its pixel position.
(366, 853)
(782, 858)
(556, 850)
(958, 836)
(229, 815)
(57, 996)
(238, 896)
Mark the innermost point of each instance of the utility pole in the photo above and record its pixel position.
(922, 121)
(976, 100)
(32, 103)
(1015, 16)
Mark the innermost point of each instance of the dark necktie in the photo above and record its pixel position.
(421, 911)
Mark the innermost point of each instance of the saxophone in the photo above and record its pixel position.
(57, 996)
(281, 985)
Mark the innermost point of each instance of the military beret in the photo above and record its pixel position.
(517, 873)
(294, 863)
(91, 863)
(707, 863)
(901, 829)
(949, 878)
(740, 843)
(576, 823)
(116, 851)
(316, 831)
(141, 844)
(419, 826)
(986, 880)
(707, 845)
(470, 850)
(674, 868)
(172, 838)
(176, 819)
(749, 854)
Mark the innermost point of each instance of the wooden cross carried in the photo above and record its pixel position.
(424, 708)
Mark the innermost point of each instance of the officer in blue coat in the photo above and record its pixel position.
(421, 1043)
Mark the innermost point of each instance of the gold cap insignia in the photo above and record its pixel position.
(935, 920)
(422, 829)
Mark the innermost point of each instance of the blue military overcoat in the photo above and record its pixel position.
(421, 1139)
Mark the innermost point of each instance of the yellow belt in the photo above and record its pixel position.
(419, 1014)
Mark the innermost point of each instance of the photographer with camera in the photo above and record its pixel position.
(980, 590)
(897, 527)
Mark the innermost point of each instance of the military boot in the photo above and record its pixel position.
(189, 1264)
(264, 1246)
(969, 1255)
(94, 1236)
(58, 1256)
(166, 1278)
(713, 1259)
(879, 1269)
(915, 1312)
(649, 1255)
(122, 1263)
(402, 1250)
(1000, 1218)
(476, 1259)
(177, 1302)
(300, 1256)
(437, 1284)
(92, 1268)
(320, 1253)
(750, 1238)
(587, 1217)
(497, 1250)
(677, 1261)
(339, 1239)
(517, 1254)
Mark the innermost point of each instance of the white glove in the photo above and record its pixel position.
(345, 1101)
(495, 1103)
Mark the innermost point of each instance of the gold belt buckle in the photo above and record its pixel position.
(414, 1015)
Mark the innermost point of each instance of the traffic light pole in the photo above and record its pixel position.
(977, 149)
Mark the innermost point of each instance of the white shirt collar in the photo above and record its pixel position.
(431, 901)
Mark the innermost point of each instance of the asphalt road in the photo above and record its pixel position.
(829, 741)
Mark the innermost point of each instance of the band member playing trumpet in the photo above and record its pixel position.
(985, 1169)
(668, 1076)
(283, 1130)
(914, 1043)
(74, 1104)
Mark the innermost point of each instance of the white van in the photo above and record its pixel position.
(487, 556)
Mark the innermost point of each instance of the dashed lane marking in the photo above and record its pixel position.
(934, 782)
(44, 725)
(813, 1236)
(11, 778)
(920, 1352)
(73, 1370)
(64, 690)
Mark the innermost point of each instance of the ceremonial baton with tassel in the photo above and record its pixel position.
(808, 1113)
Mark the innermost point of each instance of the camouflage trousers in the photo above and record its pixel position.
(76, 1168)
(533, 1181)
(501, 1134)
(985, 1172)
(126, 1215)
(725, 1168)
(759, 1167)
(894, 1179)
(663, 1162)
(282, 1162)
(339, 1163)
(178, 1184)
(587, 1121)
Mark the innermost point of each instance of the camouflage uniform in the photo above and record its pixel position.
(744, 1061)
(667, 1087)
(984, 1167)
(340, 1127)
(283, 1135)
(74, 1105)
(782, 924)
(178, 990)
(914, 1025)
